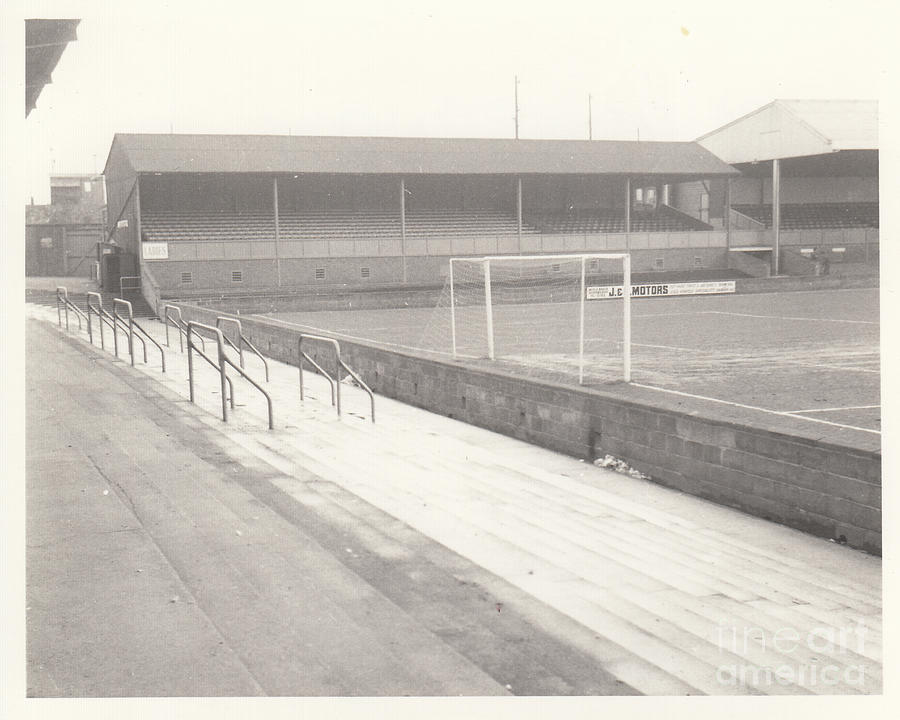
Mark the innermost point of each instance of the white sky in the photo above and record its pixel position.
(671, 71)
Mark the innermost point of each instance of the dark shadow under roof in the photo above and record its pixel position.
(432, 156)
(45, 41)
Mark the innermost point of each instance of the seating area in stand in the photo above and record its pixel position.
(814, 216)
(663, 219)
(318, 225)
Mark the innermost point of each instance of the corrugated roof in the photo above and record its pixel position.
(847, 124)
(384, 155)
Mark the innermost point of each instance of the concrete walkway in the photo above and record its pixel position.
(493, 565)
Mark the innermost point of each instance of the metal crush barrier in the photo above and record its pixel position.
(104, 317)
(172, 316)
(336, 381)
(219, 364)
(241, 341)
(63, 304)
(128, 326)
(132, 326)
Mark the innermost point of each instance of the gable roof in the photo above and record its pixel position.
(389, 155)
(847, 124)
(796, 128)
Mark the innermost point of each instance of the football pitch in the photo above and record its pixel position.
(813, 355)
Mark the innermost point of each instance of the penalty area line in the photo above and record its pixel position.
(781, 413)
(787, 317)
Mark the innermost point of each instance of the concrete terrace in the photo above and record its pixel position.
(172, 554)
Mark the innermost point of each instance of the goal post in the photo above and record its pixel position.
(572, 311)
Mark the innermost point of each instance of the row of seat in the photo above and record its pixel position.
(293, 225)
(664, 219)
(169, 225)
(813, 216)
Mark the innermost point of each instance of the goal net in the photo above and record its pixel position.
(560, 317)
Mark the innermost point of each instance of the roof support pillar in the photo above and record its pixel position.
(627, 207)
(137, 220)
(403, 227)
(726, 220)
(776, 213)
(277, 233)
(519, 213)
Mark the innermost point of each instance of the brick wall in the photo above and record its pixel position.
(826, 489)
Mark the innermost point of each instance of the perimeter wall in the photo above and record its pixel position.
(828, 488)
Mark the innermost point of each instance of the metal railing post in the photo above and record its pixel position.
(58, 315)
(336, 381)
(190, 367)
(98, 310)
(224, 381)
(239, 347)
(116, 303)
(221, 358)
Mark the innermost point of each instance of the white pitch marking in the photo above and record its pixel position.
(787, 317)
(787, 361)
(834, 409)
(782, 413)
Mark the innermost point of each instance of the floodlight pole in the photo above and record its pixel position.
(489, 310)
(590, 123)
(517, 107)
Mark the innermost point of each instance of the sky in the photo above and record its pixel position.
(665, 71)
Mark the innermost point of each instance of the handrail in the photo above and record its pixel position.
(191, 329)
(318, 367)
(241, 342)
(111, 320)
(178, 322)
(123, 278)
(256, 385)
(104, 317)
(336, 382)
(98, 310)
(63, 298)
(118, 318)
(162, 354)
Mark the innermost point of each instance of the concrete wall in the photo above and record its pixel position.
(211, 264)
(261, 274)
(826, 489)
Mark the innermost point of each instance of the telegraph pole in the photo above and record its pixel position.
(590, 124)
(517, 107)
